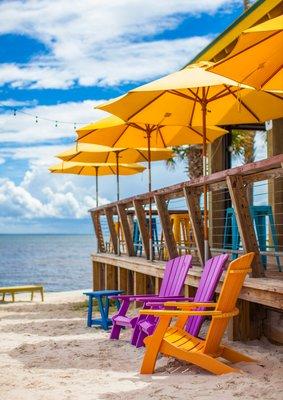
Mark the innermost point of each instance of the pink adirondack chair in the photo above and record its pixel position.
(173, 280)
(210, 277)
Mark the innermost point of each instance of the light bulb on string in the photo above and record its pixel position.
(36, 119)
(75, 126)
(14, 112)
(56, 124)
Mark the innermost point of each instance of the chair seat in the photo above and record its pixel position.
(122, 320)
(147, 326)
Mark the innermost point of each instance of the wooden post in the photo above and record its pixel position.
(123, 279)
(275, 185)
(97, 276)
(141, 219)
(126, 230)
(112, 230)
(192, 200)
(98, 232)
(110, 272)
(166, 226)
(240, 203)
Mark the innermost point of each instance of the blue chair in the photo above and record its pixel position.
(137, 236)
(102, 297)
(259, 216)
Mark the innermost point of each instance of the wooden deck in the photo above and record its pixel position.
(264, 291)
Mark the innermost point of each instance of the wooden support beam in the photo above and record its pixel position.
(126, 229)
(166, 226)
(141, 219)
(240, 204)
(192, 200)
(112, 230)
(98, 232)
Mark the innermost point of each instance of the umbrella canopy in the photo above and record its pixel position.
(91, 153)
(257, 58)
(114, 132)
(195, 97)
(89, 169)
(97, 169)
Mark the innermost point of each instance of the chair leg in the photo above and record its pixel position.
(153, 346)
(140, 340)
(204, 361)
(115, 331)
(31, 297)
(234, 356)
(42, 295)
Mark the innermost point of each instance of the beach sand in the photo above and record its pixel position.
(48, 353)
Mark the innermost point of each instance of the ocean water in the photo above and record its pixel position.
(59, 262)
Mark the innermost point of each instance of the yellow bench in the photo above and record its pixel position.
(12, 290)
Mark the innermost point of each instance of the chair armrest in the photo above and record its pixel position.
(177, 313)
(132, 297)
(190, 305)
(163, 300)
(158, 299)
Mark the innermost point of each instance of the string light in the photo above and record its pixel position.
(38, 118)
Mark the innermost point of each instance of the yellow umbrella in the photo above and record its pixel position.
(257, 58)
(113, 131)
(195, 97)
(97, 169)
(92, 153)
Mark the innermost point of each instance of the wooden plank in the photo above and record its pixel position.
(166, 226)
(192, 201)
(123, 279)
(126, 229)
(240, 203)
(244, 170)
(141, 219)
(97, 275)
(111, 278)
(112, 230)
(98, 232)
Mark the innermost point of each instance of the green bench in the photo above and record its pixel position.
(12, 290)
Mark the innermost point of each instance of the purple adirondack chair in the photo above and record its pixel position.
(173, 280)
(210, 277)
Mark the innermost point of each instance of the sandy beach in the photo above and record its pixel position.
(48, 353)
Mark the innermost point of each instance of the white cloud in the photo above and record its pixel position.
(41, 195)
(101, 42)
(23, 128)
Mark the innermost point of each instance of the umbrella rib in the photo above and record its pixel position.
(88, 133)
(141, 153)
(198, 133)
(219, 95)
(194, 107)
(113, 172)
(242, 51)
(176, 93)
(271, 76)
(81, 170)
(275, 95)
(137, 126)
(122, 133)
(244, 104)
(146, 105)
(196, 96)
(162, 138)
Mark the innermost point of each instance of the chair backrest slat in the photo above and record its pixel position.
(230, 291)
(174, 276)
(210, 277)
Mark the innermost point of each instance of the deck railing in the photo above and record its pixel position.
(241, 219)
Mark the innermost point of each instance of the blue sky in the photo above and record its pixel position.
(58, 60)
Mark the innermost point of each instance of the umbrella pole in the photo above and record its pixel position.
(205, 202)
(118, 198)
(148, 132)
(96, 185)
